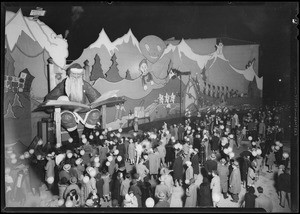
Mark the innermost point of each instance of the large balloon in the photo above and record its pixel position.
(152, 47)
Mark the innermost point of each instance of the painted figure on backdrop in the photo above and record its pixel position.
(74, 88)
(146, 75)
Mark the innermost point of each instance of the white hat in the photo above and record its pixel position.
(40, 142)
(258, 151)
(13, 161)
(116, 152)
(26, 154)
(231, 155)
(84, 140)
(231, 136)
(229, 149)
(50, 180)
(31, 151)
(82, 152)
(150, 202)
(78, 161)
(86, 179)
(70, 140)
(13, 156)
(69, 154)
(226, 151)
(67, 167)
(119, 158)
(107, 163)
(188, 163)
(96, 159)
(59, 158)
(250, 138)
(92, 172)
(285, 155)
(109, 158)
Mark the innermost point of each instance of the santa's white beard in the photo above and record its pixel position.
(74, 89)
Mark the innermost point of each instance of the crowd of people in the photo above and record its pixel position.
(192, 164)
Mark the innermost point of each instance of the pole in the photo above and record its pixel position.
(180, 97)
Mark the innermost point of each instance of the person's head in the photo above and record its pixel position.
(130, 192)
(287, 170)
(260, 190)
(251, 190)
(74, 82)
(127, 176)
(115, 203)
(214, 173)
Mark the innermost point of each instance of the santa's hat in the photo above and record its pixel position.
(75, 68)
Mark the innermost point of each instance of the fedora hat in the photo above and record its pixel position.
(67, 167)
(212, 156)
(161, 195)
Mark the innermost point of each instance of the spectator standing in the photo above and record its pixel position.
(235, 182)
(263, 201)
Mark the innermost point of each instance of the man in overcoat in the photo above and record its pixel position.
(223, 172)
(235, 182)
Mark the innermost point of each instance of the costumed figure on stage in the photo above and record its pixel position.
(74, 88)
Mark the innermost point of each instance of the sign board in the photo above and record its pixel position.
(37, 12)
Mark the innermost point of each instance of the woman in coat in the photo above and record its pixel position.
(204, 194)
(191, 194)
(223, 173)
(271, 159)
(99, 185)
(177, 193)
(141, 169)
(195, 162)
(106, 180)
(215, 186)
(154, 162)
(136, 191)
(235, 182)
(249, 198)
(251, 175)
(131, 152)
(178, 167)
(170, 154)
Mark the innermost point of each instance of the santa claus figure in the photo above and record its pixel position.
(74, 88)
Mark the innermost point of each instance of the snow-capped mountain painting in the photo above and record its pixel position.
(54, 44)
(125, 39)
(103, 40)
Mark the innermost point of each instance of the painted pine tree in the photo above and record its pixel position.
(113, 72)
(97, 71)
(128, 75)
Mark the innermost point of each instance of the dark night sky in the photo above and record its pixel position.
(267, 24)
